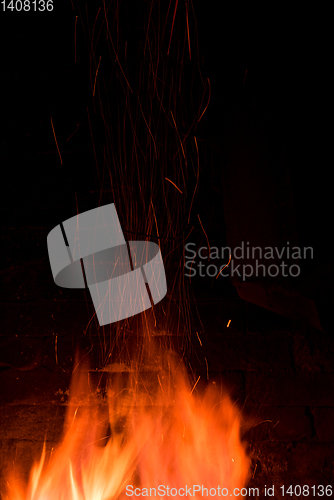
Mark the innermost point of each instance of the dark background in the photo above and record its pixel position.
(285, 52)
(270, 64)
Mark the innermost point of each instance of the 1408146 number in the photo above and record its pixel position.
(27, 5)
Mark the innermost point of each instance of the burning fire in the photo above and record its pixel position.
(150, 430)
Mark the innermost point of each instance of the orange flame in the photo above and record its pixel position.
(164, 439)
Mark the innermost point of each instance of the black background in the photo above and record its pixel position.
(285, 51)
(273, 62)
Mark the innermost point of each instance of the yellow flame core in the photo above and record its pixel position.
(160, 432)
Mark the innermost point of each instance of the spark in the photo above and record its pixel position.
(113, 46)
(184, 156)
(174, 185)
(207, 104)
(192, 390)
(56, 349)
(184, 239)
(54, 134)
(228, 324)
(222, 269)
(207, 239)
(148, 128)
(162, 390)
(171, 32)
(76, 130)
(148, 25)
(254, 471)
(156, 222)
(97, 69)
(199, 340)
(187, 20)
(207, 369)
(263, 422)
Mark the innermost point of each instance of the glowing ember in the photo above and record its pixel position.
(162, 435)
